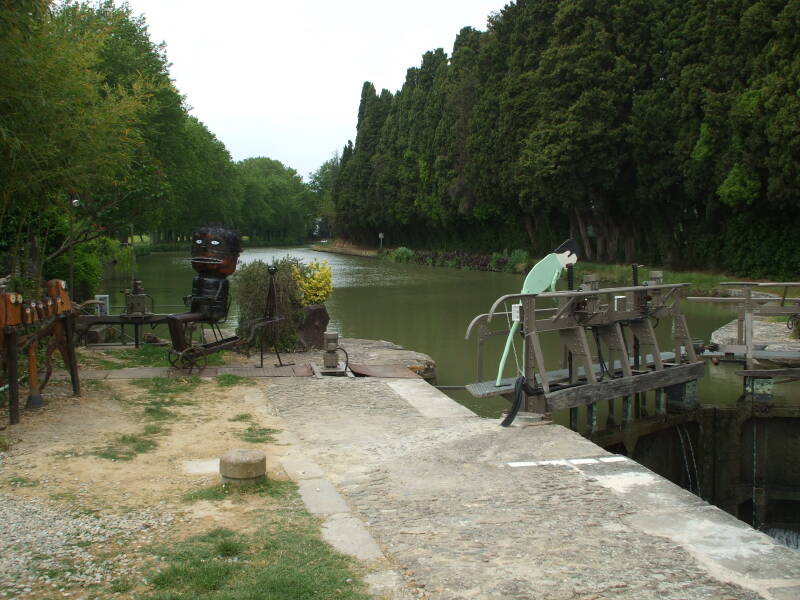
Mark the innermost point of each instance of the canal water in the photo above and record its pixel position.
(428, 309)
(422, 308)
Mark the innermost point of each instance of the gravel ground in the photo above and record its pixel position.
(41, 541)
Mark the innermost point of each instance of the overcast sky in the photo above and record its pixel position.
(283, 79)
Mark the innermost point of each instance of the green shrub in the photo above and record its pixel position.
(401, 255)
(250, 287)
(515, 259)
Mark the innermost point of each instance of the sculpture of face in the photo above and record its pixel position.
(567, 253)
(215, 251)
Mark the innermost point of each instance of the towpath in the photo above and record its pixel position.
(440, 503)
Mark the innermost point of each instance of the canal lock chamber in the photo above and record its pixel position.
(744, 458)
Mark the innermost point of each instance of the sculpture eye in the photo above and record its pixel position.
(198, 241)
(215, 242)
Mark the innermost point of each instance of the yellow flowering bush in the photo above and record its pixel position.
(315, 281)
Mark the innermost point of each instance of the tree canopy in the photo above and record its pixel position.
(96, 141)
(647, 129)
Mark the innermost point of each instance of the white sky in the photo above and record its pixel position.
(283, 79)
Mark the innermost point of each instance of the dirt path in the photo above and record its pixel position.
(61, 467)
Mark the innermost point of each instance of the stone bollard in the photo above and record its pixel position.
(243, 467)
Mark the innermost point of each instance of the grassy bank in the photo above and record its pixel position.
(144, 247)
(519, 261)
(108, 474)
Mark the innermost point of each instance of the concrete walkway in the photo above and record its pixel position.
(440, 503)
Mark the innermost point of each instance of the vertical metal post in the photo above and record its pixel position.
(69, 335)
(573, 412)
(636, 358)
(748, 325)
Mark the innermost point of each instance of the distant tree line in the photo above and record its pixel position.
(96, 142)
(651, 130)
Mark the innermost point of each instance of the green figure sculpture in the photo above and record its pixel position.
(542, 276)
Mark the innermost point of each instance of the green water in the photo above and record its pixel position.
(421, 308)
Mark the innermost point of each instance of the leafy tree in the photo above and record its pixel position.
(64, 134)
(278, 205)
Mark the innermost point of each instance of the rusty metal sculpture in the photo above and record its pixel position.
(215, 252)
(25, 324)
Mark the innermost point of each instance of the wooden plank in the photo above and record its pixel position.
(388, 371)
(764, 373)
(623, 386)
(487, 389)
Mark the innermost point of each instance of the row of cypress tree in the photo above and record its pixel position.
(651, 130)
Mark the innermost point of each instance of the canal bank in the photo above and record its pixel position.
(440, 503)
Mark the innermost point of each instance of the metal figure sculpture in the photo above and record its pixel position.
(215, 252)
(25, 324)
(543, 275)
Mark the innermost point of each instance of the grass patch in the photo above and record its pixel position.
(126, 447)
(700, 283)
(228, 548)
(157, 412)
(71, 453)
(120, 586)
(143, 356)
(230, 380)
(165, 386)
(5, 445)
(286, 558)
(153, 429)
(257, 435)
(20, 482)
(146, 355)
(95, 384)
(241, 418)
(268, 488)
(211, 494)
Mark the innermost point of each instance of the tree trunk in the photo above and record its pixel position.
(600, 242)
(585, 242)
(33, 270)
(630, 248)
(613, 241)
(530, 228)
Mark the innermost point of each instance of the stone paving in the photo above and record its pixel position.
(459, 507)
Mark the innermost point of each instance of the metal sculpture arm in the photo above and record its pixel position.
(542, 276)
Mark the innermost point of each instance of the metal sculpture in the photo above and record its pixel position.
(215, 252)
(543, 275)
(23, 326)
(270, 319)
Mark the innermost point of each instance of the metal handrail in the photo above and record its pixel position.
(584, 293)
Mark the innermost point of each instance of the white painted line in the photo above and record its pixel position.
(613, 459)
(566, 461)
